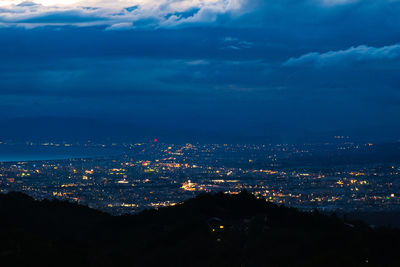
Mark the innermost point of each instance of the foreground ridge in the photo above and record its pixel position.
(208, 230)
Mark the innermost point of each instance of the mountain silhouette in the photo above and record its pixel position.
(208, 230)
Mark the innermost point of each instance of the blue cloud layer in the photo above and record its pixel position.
(234, 65)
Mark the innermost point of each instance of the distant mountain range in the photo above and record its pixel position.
(83, 129)
(209, 230)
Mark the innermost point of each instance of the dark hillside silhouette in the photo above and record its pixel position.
(209, 230)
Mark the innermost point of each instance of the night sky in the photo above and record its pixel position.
(289, 67)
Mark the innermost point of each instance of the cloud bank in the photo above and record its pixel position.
(359, 54)
(115, 14)
(172, 13)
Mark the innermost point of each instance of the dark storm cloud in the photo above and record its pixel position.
(63, 17)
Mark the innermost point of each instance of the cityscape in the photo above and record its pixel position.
(155, 174)
(193, 133)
